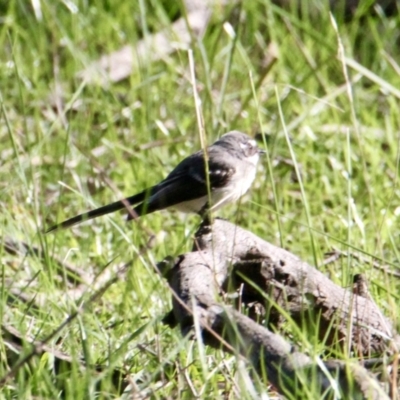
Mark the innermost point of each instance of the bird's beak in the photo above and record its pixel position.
(262, 152)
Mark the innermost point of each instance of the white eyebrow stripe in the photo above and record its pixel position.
(251, 143)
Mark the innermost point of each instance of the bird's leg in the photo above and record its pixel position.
(205, 214)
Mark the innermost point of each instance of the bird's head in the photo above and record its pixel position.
(242, 145)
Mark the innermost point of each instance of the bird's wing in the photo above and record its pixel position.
(186, 182)
(193, 167)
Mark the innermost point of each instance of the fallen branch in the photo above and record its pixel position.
(225, 255)
(120, 64)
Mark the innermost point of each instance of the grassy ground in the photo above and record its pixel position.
(330, 108)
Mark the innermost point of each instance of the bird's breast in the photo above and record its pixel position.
(191, 206)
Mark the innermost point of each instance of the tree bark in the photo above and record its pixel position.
(227, 256)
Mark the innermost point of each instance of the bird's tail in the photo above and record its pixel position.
(118, 205)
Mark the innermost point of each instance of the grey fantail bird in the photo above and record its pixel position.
(232, 163)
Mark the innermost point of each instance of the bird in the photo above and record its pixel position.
(230, 163)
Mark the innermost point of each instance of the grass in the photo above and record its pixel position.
(333, 142)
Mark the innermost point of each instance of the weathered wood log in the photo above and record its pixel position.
(279, 280)
(298, 288)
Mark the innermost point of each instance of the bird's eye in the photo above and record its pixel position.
(248, 145)
(251, 143)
